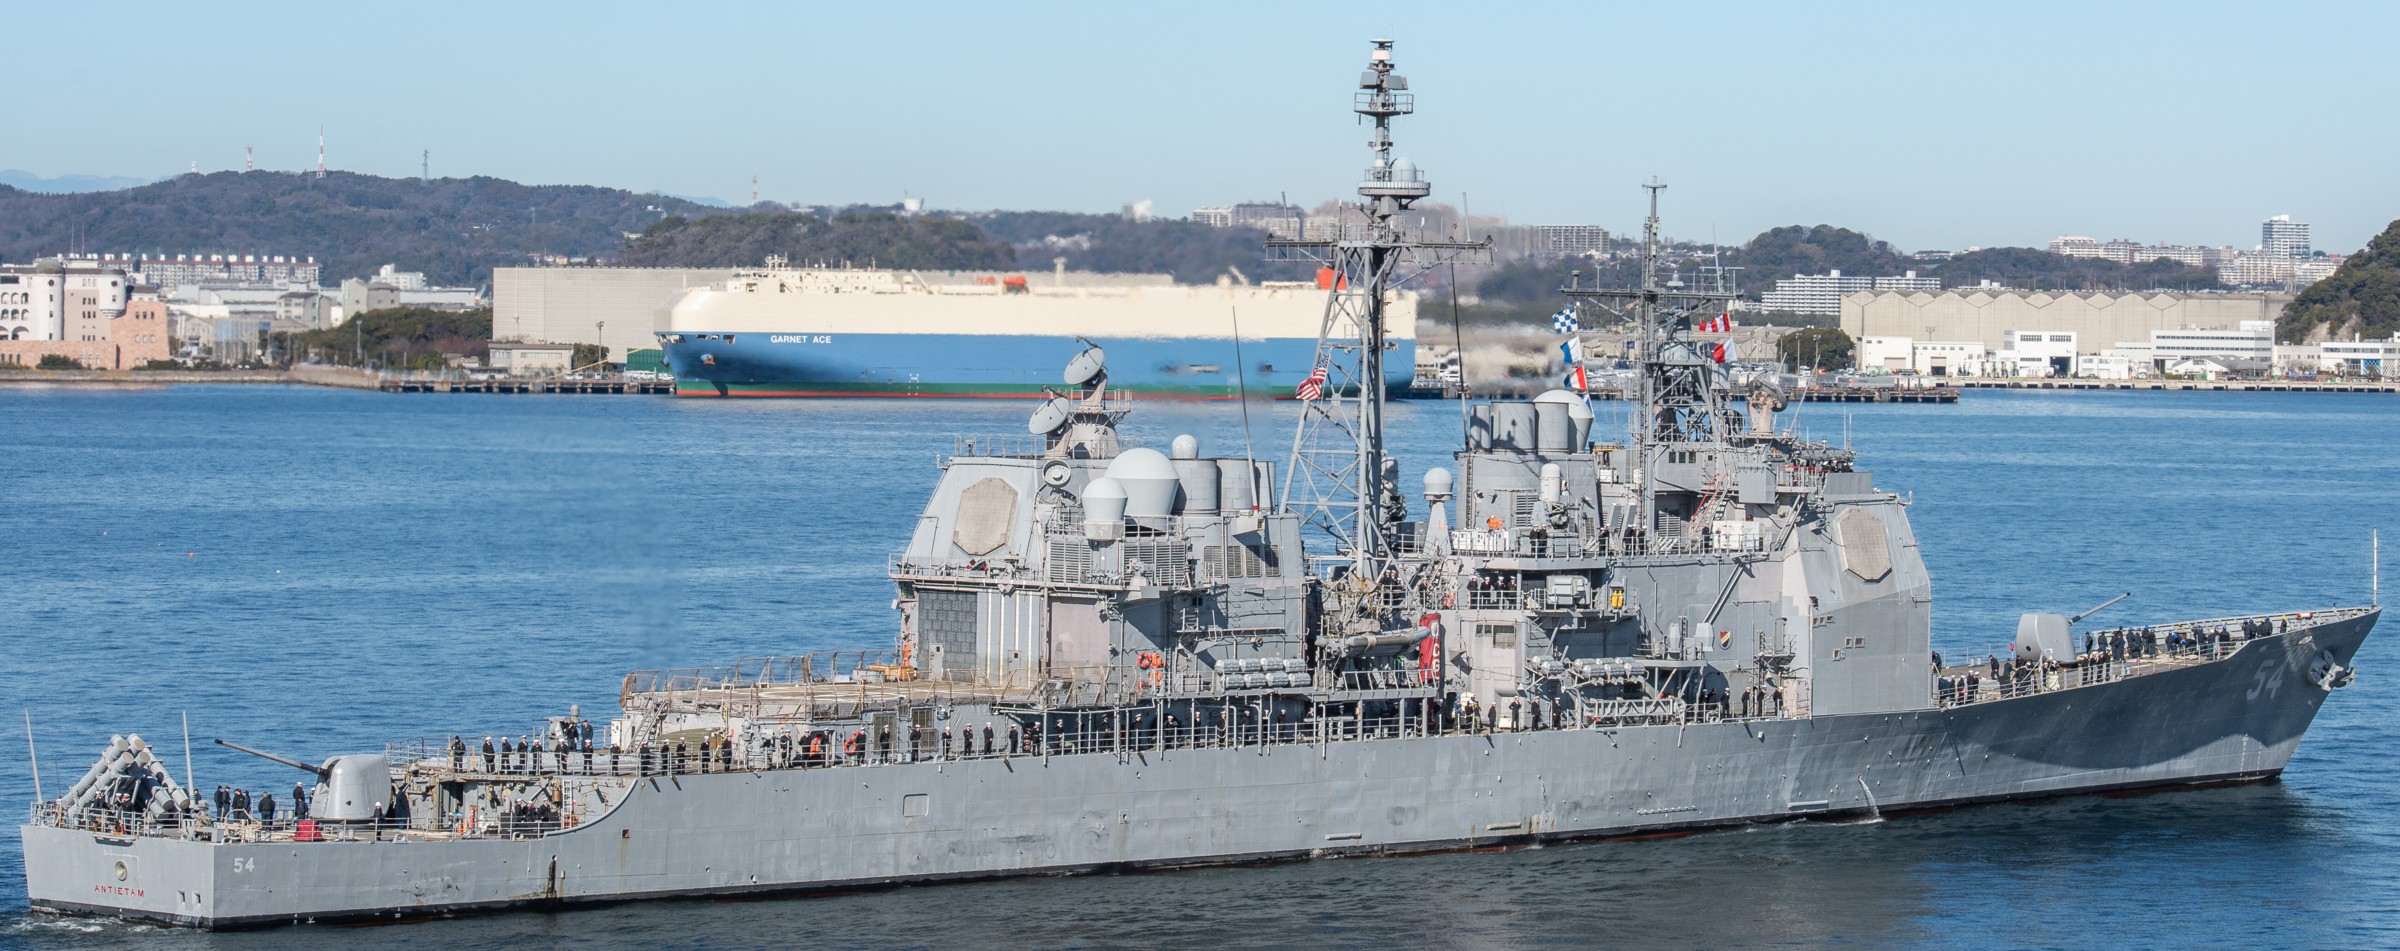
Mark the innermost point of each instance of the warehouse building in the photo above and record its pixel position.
(1986, 315)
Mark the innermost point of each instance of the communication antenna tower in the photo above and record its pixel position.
(754, 189)
(1681, 401)
(1339, 480)
(320, 151)
(425, 165)
(249, 158)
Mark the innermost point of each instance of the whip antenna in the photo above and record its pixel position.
(1241, 385)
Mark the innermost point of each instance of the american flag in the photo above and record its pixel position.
(1312, 388)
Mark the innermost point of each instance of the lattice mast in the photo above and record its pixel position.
(1340, 479)
(1680, 401)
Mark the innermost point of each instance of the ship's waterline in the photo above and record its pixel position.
(732, 363)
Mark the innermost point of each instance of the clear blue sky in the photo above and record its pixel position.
(1928, 125)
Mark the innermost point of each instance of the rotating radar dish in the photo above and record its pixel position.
(1051, 417)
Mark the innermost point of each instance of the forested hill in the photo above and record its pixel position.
(2038, 269)
(2362, 297)
(856, 238)
(1195, 253)
(1779, 253)
(453, 229)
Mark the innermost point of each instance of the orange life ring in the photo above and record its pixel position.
(1450, 599)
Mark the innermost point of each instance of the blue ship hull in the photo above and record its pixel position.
(989, 366)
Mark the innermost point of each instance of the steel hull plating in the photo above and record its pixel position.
(995, 365)
(795, 830)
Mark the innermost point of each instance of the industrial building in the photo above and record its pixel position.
(93, 315)
(2099, 320)
(621, 308)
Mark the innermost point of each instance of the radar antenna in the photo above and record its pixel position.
(1339, 480)
(1682, 406)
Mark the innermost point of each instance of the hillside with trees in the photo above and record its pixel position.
(1195, 253)
(1779, 253)
(410, 338)
(858, 238)
(1527, 289)
(453, 229)
(2040, 270)
(2361, 298)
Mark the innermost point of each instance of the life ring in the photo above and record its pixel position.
(568, 821)
(1450, 599)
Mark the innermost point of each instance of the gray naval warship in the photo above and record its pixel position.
(1111, 657)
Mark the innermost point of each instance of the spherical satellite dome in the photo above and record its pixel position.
(1185, 446)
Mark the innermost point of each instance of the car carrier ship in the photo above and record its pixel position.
(863, 332)
(1110, 656)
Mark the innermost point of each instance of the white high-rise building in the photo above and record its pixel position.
(1813, 293)
(1569, 240)
(2075, 246)
(2280, 236)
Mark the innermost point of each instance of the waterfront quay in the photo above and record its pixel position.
(2267, 386)
(1816, 394)
(535, 385)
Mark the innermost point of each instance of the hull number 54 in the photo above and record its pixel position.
(2268, 680)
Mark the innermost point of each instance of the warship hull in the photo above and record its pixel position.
(2235, 719)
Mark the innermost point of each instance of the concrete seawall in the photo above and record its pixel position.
(138, 377)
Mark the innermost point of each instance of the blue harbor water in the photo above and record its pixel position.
(316, 572)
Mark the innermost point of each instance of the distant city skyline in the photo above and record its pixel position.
(1930, 128)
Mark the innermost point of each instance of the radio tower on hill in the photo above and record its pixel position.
(320, 151)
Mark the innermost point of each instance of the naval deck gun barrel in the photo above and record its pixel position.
(320, 771)
(2103, 606)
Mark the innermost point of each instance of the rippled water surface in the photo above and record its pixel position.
(320, 571)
